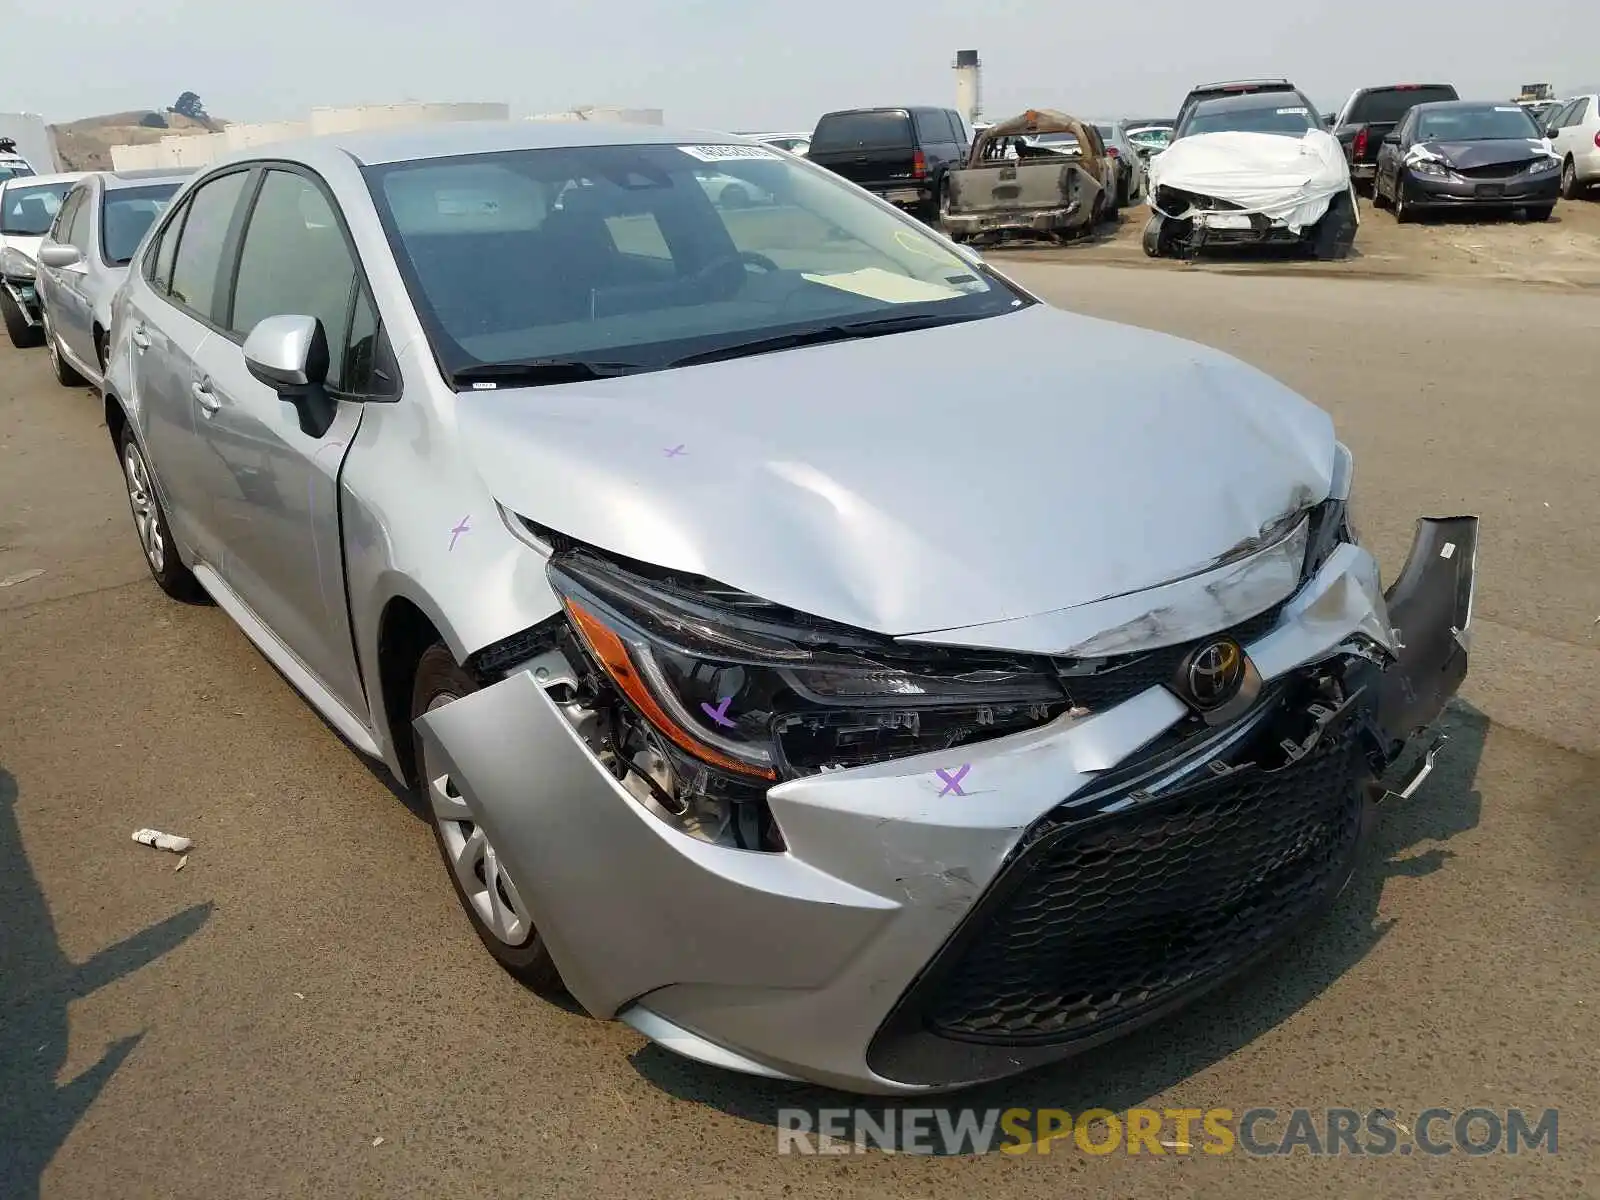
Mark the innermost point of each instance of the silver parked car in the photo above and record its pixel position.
(774, 682)
(84, 259)
(28, 207)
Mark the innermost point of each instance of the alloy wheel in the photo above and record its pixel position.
(146, 513)
(491, 891)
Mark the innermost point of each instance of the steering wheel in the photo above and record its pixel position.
(740, 257)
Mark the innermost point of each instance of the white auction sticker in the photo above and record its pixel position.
(728, 153)
(1302, 110)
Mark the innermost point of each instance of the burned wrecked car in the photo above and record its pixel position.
(1251, 170)
(1041, 175)
(851, 758)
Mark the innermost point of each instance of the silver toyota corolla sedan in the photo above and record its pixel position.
(84, 259)
(802, 661)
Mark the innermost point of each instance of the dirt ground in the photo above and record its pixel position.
(1563, 252)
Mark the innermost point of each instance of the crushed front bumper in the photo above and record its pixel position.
(895, 946)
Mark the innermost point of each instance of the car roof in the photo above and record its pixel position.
(1402, 87)
(1234, 83)
(444, 139)
(116, 180)
(1252, 100)
(1440, 105)
(34, 180)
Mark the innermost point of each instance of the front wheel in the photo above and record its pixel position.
(23, 335)
(65, 375)
(1403, 212)
(1540, 212)
(492, 901)
(1379, 200)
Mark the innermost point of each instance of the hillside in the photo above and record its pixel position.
(86, 145)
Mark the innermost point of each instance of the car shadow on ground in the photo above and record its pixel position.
(37, 984)
(1161, 1057)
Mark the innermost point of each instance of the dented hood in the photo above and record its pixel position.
(1492, 153)
(921, 481)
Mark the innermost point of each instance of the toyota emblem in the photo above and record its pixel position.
(1215, 673)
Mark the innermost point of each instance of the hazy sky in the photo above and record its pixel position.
(733, 65)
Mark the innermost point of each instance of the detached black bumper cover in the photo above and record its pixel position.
(1106, 919)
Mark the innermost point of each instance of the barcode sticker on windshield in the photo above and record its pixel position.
(1302, 110)
(1508, 108)
(713, 154)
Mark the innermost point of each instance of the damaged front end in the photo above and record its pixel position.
(794, 848)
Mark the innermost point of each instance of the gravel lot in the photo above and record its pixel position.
(255, 1024)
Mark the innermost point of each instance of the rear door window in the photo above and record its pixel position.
(863, 130)
(1387, 105)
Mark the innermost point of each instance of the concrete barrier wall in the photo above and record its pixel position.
(386, 116)
(203, 149)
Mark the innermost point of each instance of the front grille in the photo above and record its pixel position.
(1102, 919)
(1493, 171)
(1126, 676)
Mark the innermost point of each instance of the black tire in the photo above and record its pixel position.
(175, 579)
(438, 677)
(1379, 200)
(1404, 214)
(1335, 233)
(1539, 212)
(1569, 180)
(733, 196)
(1151, 241)
(23, 336)
(65, 375)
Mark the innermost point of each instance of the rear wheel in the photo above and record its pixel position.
(65, 375)
(150, 522)
(23, 335)
(485, 889)
(1569, 180)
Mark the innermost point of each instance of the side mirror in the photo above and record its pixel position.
(1391, 139)
(290, 355)
(59, 255)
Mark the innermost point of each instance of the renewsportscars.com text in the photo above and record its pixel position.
(1259, 1132)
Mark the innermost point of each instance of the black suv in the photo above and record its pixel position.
(1373, 112)
(899, 153)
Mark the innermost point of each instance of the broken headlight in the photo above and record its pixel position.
(715, 696)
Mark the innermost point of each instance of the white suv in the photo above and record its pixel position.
(1574, 130)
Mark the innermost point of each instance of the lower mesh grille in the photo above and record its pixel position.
(1104, 918)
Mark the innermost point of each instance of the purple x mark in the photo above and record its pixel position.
(719, 714)
(952, 783)
(675, 451)
(459, 530)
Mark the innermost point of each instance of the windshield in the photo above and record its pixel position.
(28, 211)
(14, 170)
(1387, 105)
(642, 255)
(125, 215)
(1158, 135)
(1290, 119)
(1475, 123)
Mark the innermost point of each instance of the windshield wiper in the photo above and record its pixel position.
(843, 332)
(536, 371)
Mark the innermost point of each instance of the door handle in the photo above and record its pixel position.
(204, 396)
(141, 339)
